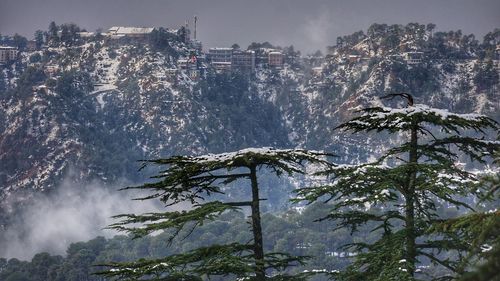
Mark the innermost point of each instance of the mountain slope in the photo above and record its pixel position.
(110, 104)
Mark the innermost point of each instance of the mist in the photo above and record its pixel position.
(70, 214)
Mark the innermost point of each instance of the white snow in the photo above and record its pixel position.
(424, 109)
(385, 192)
(486, 248)
(269, 151)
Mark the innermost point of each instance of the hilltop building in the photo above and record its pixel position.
(191, 66)
(216, 55)
(275, 59)
(229, 59)
(7, 54)
(86, 34)
(317, 71)
(220, 58)
(243, 61)
(117, 32)
(413, 57)
(187, 63)
(353, 58)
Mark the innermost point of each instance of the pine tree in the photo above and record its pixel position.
(66, 35)
(52, 34)
(480, 233)
(194, 180)
(398, 195)
(19, 41)
(39, 38)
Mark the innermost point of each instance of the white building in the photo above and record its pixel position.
(129, 32)
(317, 71)
(86, 34)
(7, 54)
(220, 55)
(413, 57)
(275, 59)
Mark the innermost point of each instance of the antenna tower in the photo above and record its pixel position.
(195, 22)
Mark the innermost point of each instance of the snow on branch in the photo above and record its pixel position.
(188, 178)
(401, 119)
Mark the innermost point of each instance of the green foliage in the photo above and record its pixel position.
(172, 220)
(160, 39)
(480, 236)
(74, 84)
(39, 39)
(32, 76)
(398, 195)
(255, 46)
(382, 260)
(283, 233)
(36, 57)
(192, 179)
(19, 41)
(69, 34)
(52, 36)
(386, 39)
(486, 76)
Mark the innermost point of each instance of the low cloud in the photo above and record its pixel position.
(72, 213)
(317, 31)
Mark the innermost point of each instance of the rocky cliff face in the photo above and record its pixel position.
(88, 112)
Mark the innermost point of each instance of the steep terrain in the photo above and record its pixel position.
(108, 104)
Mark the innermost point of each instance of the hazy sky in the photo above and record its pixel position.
(307, 24)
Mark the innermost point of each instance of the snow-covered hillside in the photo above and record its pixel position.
(89, 111)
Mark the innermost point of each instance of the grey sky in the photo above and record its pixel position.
(307, 24)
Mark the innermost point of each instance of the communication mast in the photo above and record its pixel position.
(195, 22)
(188, 32)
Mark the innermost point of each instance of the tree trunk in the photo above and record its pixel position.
(411, 250)
(256, 227)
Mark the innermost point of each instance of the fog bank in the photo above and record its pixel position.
(70, 214)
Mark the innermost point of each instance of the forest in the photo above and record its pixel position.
(407, 215)
(422, 206)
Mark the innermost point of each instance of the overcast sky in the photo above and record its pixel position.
(307, 24)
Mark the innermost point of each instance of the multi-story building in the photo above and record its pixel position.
(188, 63)
(243, 61)
(220, 55)
(194, 74)
(183, 63)
(275, 59)
(7, 54)
(413, 57)
(222, 66)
